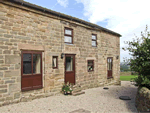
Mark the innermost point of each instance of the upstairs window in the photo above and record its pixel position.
(68, 35)
(94, 40)
(90, 65)
(55, 62)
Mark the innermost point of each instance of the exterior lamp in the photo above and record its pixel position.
(62, 55)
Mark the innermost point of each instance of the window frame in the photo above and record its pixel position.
(90, 65)
(66, 28)
(56, 62)
(94, 39)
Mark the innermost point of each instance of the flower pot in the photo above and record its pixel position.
(65, 93)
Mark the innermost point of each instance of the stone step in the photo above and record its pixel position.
(76, 89)
(78, 93)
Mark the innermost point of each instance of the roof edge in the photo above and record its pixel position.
(61, 15)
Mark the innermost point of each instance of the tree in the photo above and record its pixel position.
(140, 50)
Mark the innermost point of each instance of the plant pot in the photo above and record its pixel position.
(65, 93)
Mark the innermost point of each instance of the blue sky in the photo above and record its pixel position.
(122, 16)
(73, 8)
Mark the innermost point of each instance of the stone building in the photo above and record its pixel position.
(41, 49)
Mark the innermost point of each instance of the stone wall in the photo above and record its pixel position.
(142, 101)
(22, 28)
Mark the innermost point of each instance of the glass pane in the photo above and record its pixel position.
(110, 65)
(93, 43)
(68, 39)
(90, 68)
(36, 63)
(110, 60)
(94, 37)
(68, 32)
(90, 62)
(27, 69)
(69, 64)
(54, 62)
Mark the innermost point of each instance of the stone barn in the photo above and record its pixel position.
(41, 49)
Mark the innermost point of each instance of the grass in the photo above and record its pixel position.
(127, 78)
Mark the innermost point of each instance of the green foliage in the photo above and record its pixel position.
(142, 81)
(141, 58)
(67, 87)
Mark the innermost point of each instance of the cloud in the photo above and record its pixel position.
(126, 17)
(63, 3)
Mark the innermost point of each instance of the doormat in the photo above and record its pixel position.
(80, 111)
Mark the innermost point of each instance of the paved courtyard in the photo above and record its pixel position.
(95, 100)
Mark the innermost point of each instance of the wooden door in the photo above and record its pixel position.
(109, 67)
(31, 70)
(70, 68)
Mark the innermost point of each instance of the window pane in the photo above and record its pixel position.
(36, 63)
(69, 64)
(93, 43)
(110, 60)
(90, 62)
(94, 37)
(68, 39)
(54, 62)
(90, 68)
(27, 69)
(68, 32)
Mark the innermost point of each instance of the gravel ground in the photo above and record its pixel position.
(97, 100)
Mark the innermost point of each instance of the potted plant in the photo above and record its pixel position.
(67, 88)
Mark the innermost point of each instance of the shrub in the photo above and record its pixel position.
(142, 81)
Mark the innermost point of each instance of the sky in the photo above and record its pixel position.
(126, 17)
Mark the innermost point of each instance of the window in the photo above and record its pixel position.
(69, 63)
(31, 70)
(68, 35)
(94, 40)
(90, 65)
(55, 62)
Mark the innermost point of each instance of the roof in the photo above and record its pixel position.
(61, 15)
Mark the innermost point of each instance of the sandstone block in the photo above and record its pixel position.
(14, 88)
(9, 81)
(11, 68)
(2, 99)
(16, 52)
(3, 86)
(3, 47)
(17, 66)
(8, 43)
(4, 68)
(9, 98)
(16, 95)
(8, 36)
(23, 99)
(3, 90)
(22, 37)
(12, 59)
(1, 74)
(1, 57)
(1, 61)
(6, 52)
(11, 73)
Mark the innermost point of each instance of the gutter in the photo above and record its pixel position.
(39, 8)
